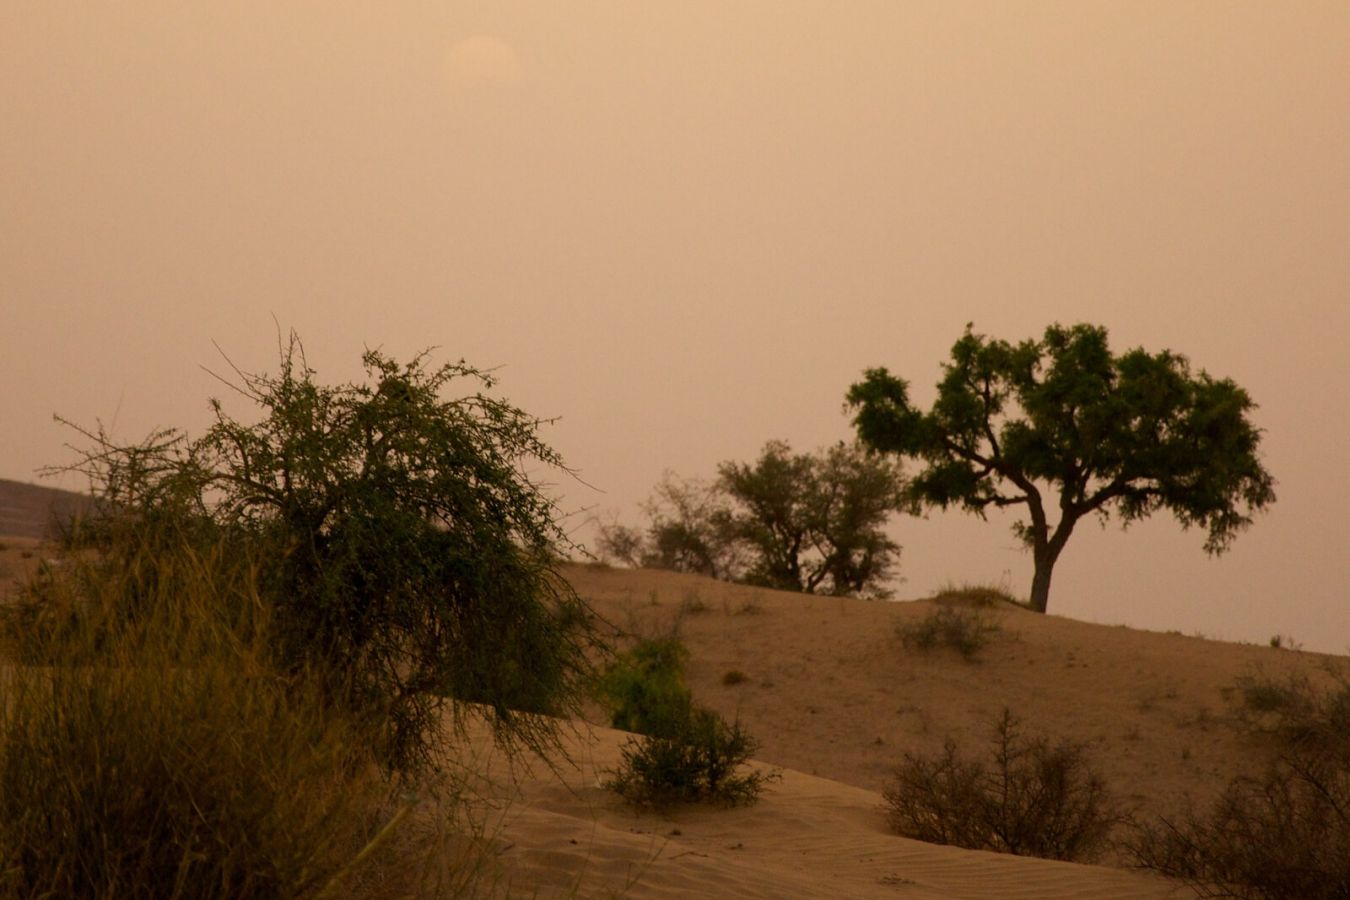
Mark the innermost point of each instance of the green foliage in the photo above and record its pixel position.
(410, 557)
(815, 522)
(161, 754)
(700, 762)
(687, 753)
(693, 529)
(645, 690)
(810, 522)
(1030, 798)
(1285, 833)
(965, 630)
(1133, 434)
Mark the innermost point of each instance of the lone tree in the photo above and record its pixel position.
(1135, 433)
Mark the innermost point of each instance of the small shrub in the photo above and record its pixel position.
(1030, 798)
(1285, 833)
(735, 677)
(965, 630)
(699, 763)
(1293, 710)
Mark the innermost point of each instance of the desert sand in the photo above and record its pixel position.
(835, 700)
(563, 835)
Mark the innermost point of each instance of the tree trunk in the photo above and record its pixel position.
(1040, 581)
(1045, 553)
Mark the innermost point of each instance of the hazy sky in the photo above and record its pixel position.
(685, 228)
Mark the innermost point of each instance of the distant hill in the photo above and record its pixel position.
(30, 510)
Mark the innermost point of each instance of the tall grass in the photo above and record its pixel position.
(150, 748)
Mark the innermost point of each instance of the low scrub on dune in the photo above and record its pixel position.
(979, 595)
(644, 688)
(1027, 796)
(967, 630)
(687, 754)
(1284, 832)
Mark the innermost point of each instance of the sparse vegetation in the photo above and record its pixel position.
(967, 630)
(1284, 833)
(1028, 797)
(687, 753)
(644, 688)
(701, 762)
(968, 594)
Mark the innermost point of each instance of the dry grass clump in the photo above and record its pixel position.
(1286, 832)
(160, 753)
(967, 630)
(970, 594)
(1027, 797)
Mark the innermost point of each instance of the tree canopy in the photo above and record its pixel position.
(808, 522)
(409, 555)
(1014, 424)
(815, 522)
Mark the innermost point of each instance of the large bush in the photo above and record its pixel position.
(410, 555)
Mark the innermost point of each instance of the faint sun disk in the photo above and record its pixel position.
(483, 59)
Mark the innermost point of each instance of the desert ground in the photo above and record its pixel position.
(835, 700)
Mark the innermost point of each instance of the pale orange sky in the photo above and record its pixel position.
(686, 228)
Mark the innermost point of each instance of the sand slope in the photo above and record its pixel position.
(808, 837)
(836, 700)
(831, 691)
(30, 510)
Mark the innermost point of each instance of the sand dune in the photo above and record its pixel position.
(31, 510)
(835, 700)
(808, 837)
(830, 690)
